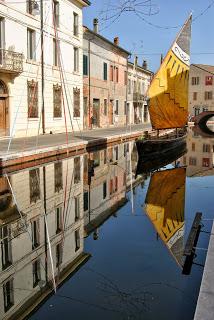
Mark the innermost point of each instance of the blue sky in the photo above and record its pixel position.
(149, 42)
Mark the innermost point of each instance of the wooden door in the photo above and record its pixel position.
(3, 117)
(111, 112)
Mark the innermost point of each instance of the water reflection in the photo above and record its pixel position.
(46, 212)
(164, 206)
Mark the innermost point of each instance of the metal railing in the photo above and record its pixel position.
(138, 96)
(11, 61)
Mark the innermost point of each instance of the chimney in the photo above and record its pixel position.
(116, 41)
(96, 25)
(145, 64)
(136, 61)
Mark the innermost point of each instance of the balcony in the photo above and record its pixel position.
(137, 97)
(10, 61)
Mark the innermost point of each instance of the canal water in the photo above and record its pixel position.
(114, 241)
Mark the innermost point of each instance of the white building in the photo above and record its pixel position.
(20, 66)
(139, 78)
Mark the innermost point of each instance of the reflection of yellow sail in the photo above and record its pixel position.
(165, 208)
(168, 92)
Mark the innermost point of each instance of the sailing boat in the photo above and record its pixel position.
(164, 205)
(168, 96)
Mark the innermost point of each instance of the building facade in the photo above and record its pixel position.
(21, 86)
(201, 89)
(139, 79)
(105, 80)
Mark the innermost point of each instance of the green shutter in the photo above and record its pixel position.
(85, 65)
(104, 71)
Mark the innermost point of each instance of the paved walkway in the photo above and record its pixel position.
(205, 305)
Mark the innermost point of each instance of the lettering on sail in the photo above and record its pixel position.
(183, 56)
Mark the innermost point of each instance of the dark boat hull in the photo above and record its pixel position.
(159, 146)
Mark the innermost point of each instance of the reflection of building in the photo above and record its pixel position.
(25, 265)
(20, 65)
(201, 89)
(76, 195)
(139, 78)
(200, 155)
(108, 174)
(105, 80)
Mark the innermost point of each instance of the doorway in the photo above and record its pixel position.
(110, 112)
(3, 110)
(96, 113)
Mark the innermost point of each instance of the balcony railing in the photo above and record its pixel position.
(138, 96)
(10, 61)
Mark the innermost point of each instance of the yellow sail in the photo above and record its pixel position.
(164, 206)
(168, 92)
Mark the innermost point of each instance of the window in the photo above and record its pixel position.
(58, 254)
(193, 146)
(116, 152)
(76, 59)
(76, 170)
(35, 233)
(76, 24)
(32, 91)
(59, 224)
(36, 272)
(204, 109)
(116, 184)
(6, 248)
(85, 65)
(30, 6)
(96, 157)
(195, 81)
(111, 186)
(111, 73)
(58, 183)
(105, 107)
(2, 37)
(31, 44)
(76, 97)
(56, 13)
(195, 96)
(105, 156)
(125, 78)
(117, 107)
(206, 147)
(8, 294)
(104, 189)
(129, 86)
(57, 101)
(197, 110)
(208, 80)
(105, 77)
(208, 95)
(55, 52)
(34, 183)
(116, 74)
(192, 161)
(85, 201)
(206, 162)
(77, 240)
(77, 207)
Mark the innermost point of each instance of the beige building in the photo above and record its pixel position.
(21, 103)
(201, 89)
(139, 79)
(200, 156)
(105, 80)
